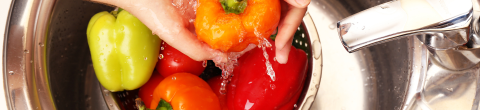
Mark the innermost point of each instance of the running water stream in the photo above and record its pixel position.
(232, 62)
(187, 8)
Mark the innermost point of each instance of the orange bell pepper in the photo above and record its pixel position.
(185, 91)
(231, 32)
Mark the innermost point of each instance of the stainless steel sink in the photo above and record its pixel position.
(47, 60)
(47, 67)
(402, 74)
(371, 79)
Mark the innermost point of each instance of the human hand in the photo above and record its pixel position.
(172, 22)
(292, 15)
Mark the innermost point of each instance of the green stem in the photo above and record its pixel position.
(234, 6)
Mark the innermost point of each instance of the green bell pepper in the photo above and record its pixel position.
(124, 51)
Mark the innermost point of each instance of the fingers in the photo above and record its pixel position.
(188, 44)
(288, 25)
(298, 3)
(175, 29)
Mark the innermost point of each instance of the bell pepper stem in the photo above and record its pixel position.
(234, 6)
(116, 11)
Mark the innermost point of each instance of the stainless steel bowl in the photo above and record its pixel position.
(47, 60)
(375, 78)
(47, 66)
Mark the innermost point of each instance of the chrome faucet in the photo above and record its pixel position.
(451, 47)
(448, 40)
(387, 22)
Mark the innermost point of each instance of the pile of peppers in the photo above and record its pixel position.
(125, 53)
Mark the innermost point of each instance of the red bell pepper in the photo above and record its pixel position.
(146, 91)
(252, 88)
(216, 83)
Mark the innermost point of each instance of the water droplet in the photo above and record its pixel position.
(295, 105)
(11, 72)
(450, 89)
(160, 56)
(223, 86)
(332, 26)
(174, 78)
(272, 86)
(26, 51)
(41, 44)
(161, 48)
(204, 63)
(145, 58)
(384, 6)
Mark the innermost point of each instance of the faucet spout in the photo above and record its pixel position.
(397, 19)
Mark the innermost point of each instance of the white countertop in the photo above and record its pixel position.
(4, 8)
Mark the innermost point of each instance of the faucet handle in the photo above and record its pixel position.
(397, 19)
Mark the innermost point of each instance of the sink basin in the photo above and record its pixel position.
(47, 64)
(374, 78)
(403, 74)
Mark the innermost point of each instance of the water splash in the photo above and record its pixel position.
(227, 69)
(270, 71)
(264, 44)
(232, 62)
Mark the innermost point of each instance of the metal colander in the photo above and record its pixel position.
(48, 62)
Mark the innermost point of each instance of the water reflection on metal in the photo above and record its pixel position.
(416, 71)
